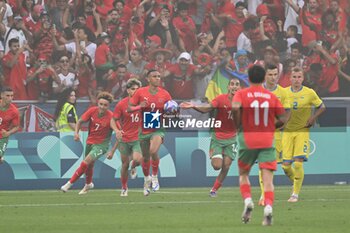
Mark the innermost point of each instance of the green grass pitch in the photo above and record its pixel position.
(186, 210)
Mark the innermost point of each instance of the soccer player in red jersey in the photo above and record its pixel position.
(258, 110)
(151, 99)
(100, 130)
(128, 124)
(223, 146)
(9, 119)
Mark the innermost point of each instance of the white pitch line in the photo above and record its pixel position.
(151, 203)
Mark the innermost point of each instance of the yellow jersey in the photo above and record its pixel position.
(301, 102)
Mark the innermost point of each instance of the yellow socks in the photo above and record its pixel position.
(289, 171)
(299, 177)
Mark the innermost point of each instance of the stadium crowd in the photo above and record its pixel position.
(93, 45)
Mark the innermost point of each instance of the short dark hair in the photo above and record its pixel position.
(121, 65)
(6, 88)
(150, 71)
(296, 45)
(270, 66)
(12, 41)
(256, 74)
(293, 28)
(238, 4)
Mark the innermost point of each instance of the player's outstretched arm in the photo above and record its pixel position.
(236, 112)
(115, 125)
(13, 130)
(203, 108)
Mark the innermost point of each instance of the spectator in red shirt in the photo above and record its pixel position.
(185, 26)
(86, 77)
(340, 13)
(181, 77)
(117, 81)
(39, 80)
(32, 21)
(15, 70)
(329, 30)
(103, 59)
(159, 60)
(310, 17)
(25, 7)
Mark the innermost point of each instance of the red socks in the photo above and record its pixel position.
(245, 191)
(89, 173)
(124, 181)
(269, 198)
(145, 167)
(217, 185)
(80, 171)
(155, 165)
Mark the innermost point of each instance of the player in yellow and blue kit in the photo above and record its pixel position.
(271, 79)
(295, 139)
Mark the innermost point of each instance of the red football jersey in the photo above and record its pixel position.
(260, 107)
(223, 107)
(8, 118)
(99, 126)
(130, 121)
(154, 101)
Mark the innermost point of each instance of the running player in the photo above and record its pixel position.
(100, 119)
(271, 79)
(9, 119)
(151, 99)
(258, 108)
(296, 135)
(223, 146)
(128, 124)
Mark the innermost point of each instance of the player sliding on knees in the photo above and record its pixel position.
(127, 129)
(150, 99)
(223, 146)
(100, 119)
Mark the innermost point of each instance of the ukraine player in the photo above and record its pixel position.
(128, 124)
(9, 119)
(151, 99)
(271, 79)
(100, 119)
(223, 146)
(259, 109)
(295, 139)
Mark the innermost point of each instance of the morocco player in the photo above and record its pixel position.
(258, 108)
(271, 79)
(128, 124)
(9, 119)
(223, 146)
(151, 99)
(97, 143)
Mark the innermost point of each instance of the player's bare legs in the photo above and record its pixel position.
(146, 164)
(136, 161)
(244, 185)
(267, 177)
(155, 143)
(223, 164)
(124, 175)
(78, 173)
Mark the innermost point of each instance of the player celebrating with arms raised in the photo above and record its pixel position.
(223, 146)
(258, 108)
(151, 99)
(100, 119)
(128, 124)
(9, 119)
(295, 139)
